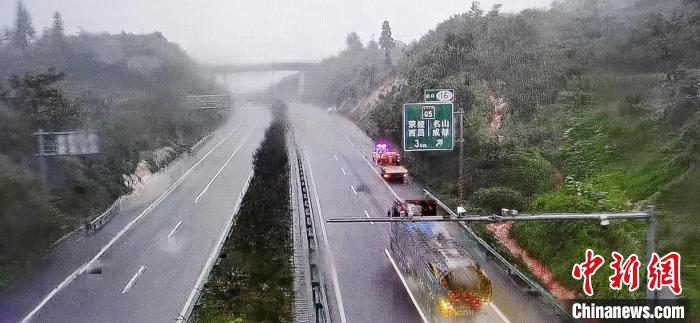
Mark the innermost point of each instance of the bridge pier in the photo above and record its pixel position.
(300, 83)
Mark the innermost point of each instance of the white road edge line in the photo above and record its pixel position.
(499, 313)
(334, 273)
(405, 285)
(175, 228)
(126, 228)
(367, 215)
(131, 282)
(214, 253)
(222, 168)
(353, 189)
(343, 169)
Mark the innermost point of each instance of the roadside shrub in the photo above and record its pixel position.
(26, 224)
(494, 198)
(562, 202)
(529, 172)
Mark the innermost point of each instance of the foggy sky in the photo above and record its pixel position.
(236, 31)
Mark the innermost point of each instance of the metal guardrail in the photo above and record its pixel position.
(94, 225)
(200, 142)
(320, 300)
(511, 270)
(103, 218)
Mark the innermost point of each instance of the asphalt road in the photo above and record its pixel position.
(143, 266)
(361, 283)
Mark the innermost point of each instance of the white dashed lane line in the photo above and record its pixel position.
(175, 228)
(131, 282)
(367, 215)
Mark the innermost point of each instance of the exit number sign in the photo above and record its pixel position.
(439, 95)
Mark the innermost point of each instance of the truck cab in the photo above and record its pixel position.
(389, 163)
(413, 207)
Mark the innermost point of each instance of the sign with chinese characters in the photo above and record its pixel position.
(661, 272)
(439, 95)
(428, 126)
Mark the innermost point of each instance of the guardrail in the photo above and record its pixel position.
(318, 289)
(95, 224)
(511, 270)
(103, 218)
(200, 142)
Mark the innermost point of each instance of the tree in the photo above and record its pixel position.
(5, 36)
(39, 100)
(53, 37)
(476, 10)
(495, 10)
(57, 30)
(23, 32)
(387, 42)
(372, 45)
(353, 42)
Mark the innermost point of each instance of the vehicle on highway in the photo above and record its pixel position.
(389, 163)
(413, 207)
(450, 283)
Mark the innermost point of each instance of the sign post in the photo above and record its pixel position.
(428, 126)
(437, 97)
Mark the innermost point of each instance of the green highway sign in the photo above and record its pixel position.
(439, 95)
(428, 126)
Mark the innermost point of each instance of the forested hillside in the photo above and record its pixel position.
(125, 87)
(588, 105)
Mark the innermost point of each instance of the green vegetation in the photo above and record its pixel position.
(123, 87)
(589, 105)
(253, 282)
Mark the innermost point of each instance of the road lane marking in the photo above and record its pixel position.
(353, 189)
(175, 228)
(405, 285)
(348, 138)
(343, 169)
(130, 284)
(336, 157)
(367, 215)
(126, 228)
(222, 167)
(182, 317)
(334, 272)
(499, 313)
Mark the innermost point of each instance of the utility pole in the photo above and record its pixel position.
(651, 248)
(43, 164)
(461, 184)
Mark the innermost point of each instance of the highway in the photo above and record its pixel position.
(144, 264)
(361, 283)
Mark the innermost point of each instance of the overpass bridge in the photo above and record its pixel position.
(299, 66)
